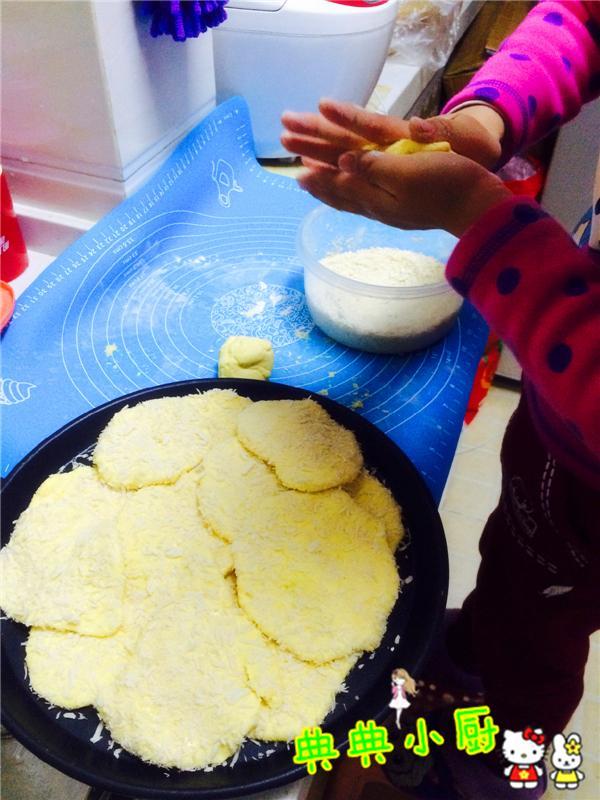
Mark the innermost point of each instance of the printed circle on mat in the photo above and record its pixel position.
(264, 310)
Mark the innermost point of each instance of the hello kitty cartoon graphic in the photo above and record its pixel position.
(524, 750)
(566, 758)
(402, 684)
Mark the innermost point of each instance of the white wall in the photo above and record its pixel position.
(568, 191)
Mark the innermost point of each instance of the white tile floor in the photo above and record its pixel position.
(473, 488)
(472, 491)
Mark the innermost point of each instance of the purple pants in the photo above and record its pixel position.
(526, 625)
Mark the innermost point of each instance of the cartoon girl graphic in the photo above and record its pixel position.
(402, 684)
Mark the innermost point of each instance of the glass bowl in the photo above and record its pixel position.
(366, 316)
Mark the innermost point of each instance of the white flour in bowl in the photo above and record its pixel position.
(386, 266)
(407, 307)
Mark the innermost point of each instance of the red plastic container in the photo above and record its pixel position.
(359, 3)
(531, 183)
(7, 304)
(13, 253)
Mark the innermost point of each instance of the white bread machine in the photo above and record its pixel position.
(287, 54)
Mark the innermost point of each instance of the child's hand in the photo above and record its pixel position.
(424, 190)
(474, 132)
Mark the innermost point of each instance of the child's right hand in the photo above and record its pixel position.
(424, 190)
(474, 132)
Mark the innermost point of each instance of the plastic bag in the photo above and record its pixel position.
(426, 31)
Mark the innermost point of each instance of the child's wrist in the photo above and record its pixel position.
(486, 115)
(477, 202)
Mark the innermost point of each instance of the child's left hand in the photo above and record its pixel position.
(423, 190)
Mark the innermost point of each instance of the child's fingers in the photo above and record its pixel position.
(435, 129)
(399, 173)
(317, 149)
(464, 133)
(311, 163)
(316, 126)
(377, 128)
(348, 192)
(320, 189)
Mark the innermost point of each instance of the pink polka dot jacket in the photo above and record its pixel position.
(516, 264)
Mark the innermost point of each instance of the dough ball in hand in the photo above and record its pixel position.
(405, 147)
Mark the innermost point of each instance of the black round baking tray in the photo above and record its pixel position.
(65, 741)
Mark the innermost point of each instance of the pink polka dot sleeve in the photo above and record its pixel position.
(541, 294)
(543, 73)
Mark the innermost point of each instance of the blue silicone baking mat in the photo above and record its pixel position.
(206, 249)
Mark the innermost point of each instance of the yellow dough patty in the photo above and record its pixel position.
(62, 568)
(165, 539)
(233, 488)
(68, 670)
(377, 499)
(184, 699)
(308, 450)
(294, 693)
(156, 441)
(317, 575)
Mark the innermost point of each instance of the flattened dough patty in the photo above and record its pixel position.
(377, 499)
(295, 694)
(156, 441)
(68, 669)
(317, 576)
(183, 700)
(62, 568)
(233, 488)
(309, 451)
(166, 541)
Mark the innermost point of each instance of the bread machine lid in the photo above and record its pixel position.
(305, 17)
(257, 5)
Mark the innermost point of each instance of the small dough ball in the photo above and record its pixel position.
(308, 450)
(156, 441)
(377, 499)
(246, 357)
(404, 147)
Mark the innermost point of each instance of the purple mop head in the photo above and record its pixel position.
(185, 19)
